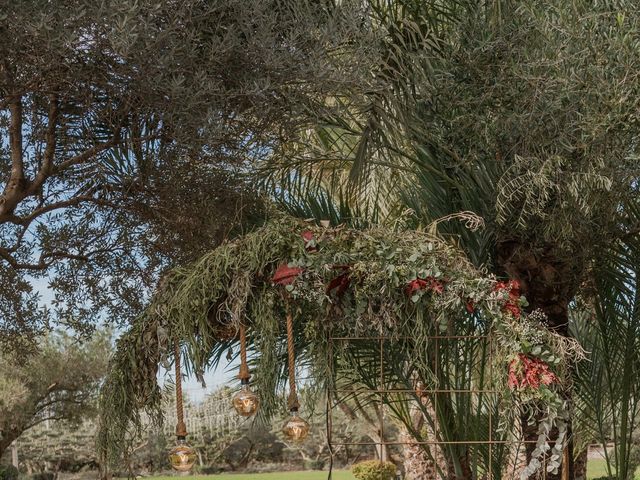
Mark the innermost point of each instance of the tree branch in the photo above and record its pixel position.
(15, 140)
(50, 149)
(72, 202)
(76, 397)
(14, 188)
(45, 260)
(89, 153)
(43, 419)
(24, 222)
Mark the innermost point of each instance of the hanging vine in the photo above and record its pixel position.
(403, 284)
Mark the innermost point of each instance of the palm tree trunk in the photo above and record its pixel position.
(549, 284)
(8, 437)
(423, 462)
(416, 462)
(465, 465)
(580, 465)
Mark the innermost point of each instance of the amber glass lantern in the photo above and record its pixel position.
(295, 429)
(246, 402)
(182, 457)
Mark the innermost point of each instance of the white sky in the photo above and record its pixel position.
(224, 374)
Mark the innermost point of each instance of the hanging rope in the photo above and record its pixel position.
(294, 404)
(181, 428)
(244, 374)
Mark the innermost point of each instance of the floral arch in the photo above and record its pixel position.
(461, 349)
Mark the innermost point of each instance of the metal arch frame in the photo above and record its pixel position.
(381, 391)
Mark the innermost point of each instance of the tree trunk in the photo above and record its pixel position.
(382, 450)
(373, 426)
(417, 463)
(580, 465)
(104, 472)
(423, 462)
(8, 437)
(549, 284)
(14, 454)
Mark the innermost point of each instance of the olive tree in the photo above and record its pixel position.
(60, 382)
(125, 127)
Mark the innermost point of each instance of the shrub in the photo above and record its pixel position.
(314, 464)
(43, 476)
(8, 472)
(374, 470)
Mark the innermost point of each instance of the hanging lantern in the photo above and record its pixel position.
(295, 429)
(182, 457)
(245, 402)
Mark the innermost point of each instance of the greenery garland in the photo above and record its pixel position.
(400, 284)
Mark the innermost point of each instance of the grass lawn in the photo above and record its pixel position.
(337, 475)
(596, 469)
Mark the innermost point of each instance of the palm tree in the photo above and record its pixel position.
(524, 113)
(607, 387)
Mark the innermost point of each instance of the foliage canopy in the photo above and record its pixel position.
(123, 124)
(406, 285)
(60, 382)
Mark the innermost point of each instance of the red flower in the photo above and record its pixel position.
(531, 377)
(471, 307)
(512, 305)
(526, 371)
(415, 285)
(429, 283)
(513, 382)
(547, 377)
(286, 275)
(512, 308)
(341, 283)
(435, 285)
(308, 238)
(512, 285)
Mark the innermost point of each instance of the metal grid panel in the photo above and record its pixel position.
(381, 390)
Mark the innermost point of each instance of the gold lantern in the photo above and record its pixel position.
(182, 457)
(295, 429)
(245, 402)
